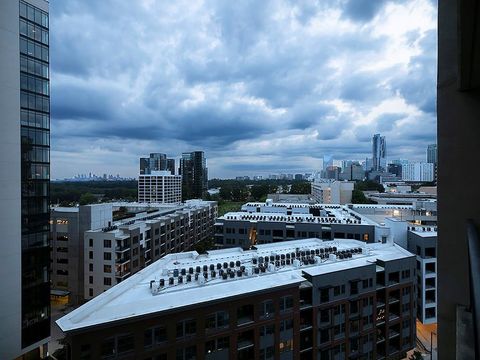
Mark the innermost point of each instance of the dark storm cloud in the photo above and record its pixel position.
(298, 79)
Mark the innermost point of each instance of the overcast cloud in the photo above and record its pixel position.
(260, 86)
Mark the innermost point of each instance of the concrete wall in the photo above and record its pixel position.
(458, 143)
(10, 218)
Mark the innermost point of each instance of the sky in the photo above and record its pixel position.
(260, 86)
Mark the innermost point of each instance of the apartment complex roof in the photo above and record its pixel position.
(187, 279)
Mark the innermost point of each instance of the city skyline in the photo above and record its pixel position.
(240, 95)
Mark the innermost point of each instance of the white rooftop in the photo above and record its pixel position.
(145, 292)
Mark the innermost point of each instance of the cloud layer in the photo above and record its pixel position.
(260, 86)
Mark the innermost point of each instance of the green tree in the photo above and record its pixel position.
(87, 198)
(301, 188)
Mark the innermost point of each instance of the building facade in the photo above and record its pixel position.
(193, 169)
(379, 153)
(263, 223)
(67, 228)
(301, 300)
(160, 187)
(157, 162)
(115, 252)
(432, 154)
(332, 192)
(419, 171)
(24, 190)
(422, 241)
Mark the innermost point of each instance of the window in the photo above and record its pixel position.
(267, 330)
(267, 353)
(90, 292)
(107, 348)
(85, 352)
(188, 353)
(219, 319)
(107, 268)
(285, 346)
(155, 336)
(186, 328)
(244, 314)
(126, 343)
(90, 267)
(107, 243)
(286, 325)
(107, 281)
(219, 344)
(107, 256)
(267, 309)
(286, 303)
(90, 279)
(337, 290)
(325, 295)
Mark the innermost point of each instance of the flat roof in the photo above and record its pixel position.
(137, 296)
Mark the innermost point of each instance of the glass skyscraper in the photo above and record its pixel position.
(25, 176)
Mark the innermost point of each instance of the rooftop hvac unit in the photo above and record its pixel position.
(232, 264)
(237, 263)
(224, 276)
(225, 265)
(212, 267)
(332, 257)
(205, 268)
(232, 274)
(296, 263)
(254, 261)
(239, 273)
(198, 269)
(196, 276)
(183, 271)
(190, 270)
(242, 268)
(189, 278)
(170, 281)
(256, 270)
(180, 279)
(175, 272)
(219, 266)
(271, 267)
(288, 261)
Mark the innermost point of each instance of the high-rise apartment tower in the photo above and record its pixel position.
(24, 179)
(193, 168)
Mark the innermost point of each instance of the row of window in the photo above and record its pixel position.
(36, 154)
(33, 31)
(34, 137)
(34, 84)
(36, 172)
(33, 49)
(33, 66)
(34, 14)
(34, 102)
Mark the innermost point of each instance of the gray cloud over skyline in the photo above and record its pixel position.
(260, 86)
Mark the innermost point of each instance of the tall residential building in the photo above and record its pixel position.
(193, 168)
(24, 180)
(419, 171)
(432, 154)
(305, 299)
(379, 153)
(160, 187)
(156, 162)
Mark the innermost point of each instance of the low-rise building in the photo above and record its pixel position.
(304, 299)
(269, 222)
(332, 192)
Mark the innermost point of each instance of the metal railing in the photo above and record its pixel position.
(473, 243)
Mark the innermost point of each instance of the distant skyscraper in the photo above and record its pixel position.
(432, 154)
(156, 162)
(25, 178)
(193, 168)
(379, 152)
